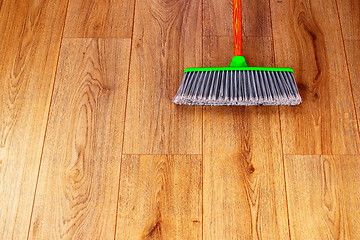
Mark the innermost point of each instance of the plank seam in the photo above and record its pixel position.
(351, 155)
(202, 126)
(245, 36)
(124, 121)
(160, 154)
(281, 134)
(347, 68)
(97, 38)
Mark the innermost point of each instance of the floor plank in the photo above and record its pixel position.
(78, 182)
(160, 197)
(325, 123)
(353, 55)
(326, 205)
(99, 19)
(28, 58)
(256, 19)
(217, 51)
(218, 18)
(244, 191)
(166, 40)
(349, 11)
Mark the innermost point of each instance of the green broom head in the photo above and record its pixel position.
(238, 85)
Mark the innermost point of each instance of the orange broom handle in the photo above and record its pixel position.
(237, 18)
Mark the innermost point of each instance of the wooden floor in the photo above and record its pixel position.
(91, 146)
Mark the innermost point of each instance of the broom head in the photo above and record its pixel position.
(238, 85)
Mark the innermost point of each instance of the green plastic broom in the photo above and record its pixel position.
(238, 84)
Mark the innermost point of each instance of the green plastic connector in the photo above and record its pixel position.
(238, 63)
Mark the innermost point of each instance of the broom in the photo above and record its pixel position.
(238, 84)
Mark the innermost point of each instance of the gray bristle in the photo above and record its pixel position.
(242, 88)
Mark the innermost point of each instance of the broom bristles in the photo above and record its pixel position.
(238, 87)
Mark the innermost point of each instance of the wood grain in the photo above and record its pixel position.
(244, 191)
(78, 182)
(100, 19)
(217, 51)
(160, 197)
(27, 69)
(256, 19)
(353, 56)
(325, 123)
(324, 196)
(349, 11)
(218, 18)
(167, 39)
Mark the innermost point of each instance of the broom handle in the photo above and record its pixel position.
(237, 18)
